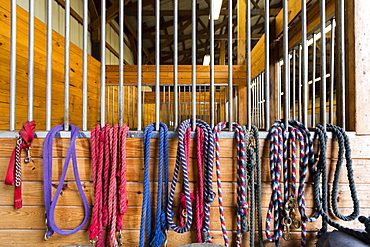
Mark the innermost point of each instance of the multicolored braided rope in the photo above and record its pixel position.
(242, 207)
(181, 161)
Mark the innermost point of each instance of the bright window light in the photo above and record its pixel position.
(216, 9)
(206, 59)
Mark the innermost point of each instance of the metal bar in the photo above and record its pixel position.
(341, 96)
(176, 60)
(204, 103)
(267, 63)
(279, 90)
(293, 83)
(230, 67)
(194, 59)
(102, 63)
(300, 83)
(139, 59)
(157, 63)
(67, 65)
(31, 58)
(332, 71)
(323, 64)
(263, 104)
(121, 94)
(128, 105)
(304, 63)
(113, 100)
(313, 103)
(286, 62)
(253, 94)
(13, 63)
(49, 69)
(84, 64)
(248, 64)
(212, 65)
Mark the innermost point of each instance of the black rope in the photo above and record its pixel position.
(320, 170)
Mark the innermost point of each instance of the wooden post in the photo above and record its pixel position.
(357, 18)
(222, 53)
(242, 89)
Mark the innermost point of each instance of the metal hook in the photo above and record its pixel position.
(28, 157)
(93, 241)
(120, 242)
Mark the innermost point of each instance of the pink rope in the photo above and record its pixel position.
(199, 190)
(112, 193)
(106, 169)
(122, 197)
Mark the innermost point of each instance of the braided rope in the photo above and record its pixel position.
(199, 196)
(146, 236)
(208, 194)
(344, 147)
(242, 209)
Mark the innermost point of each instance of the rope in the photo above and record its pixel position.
(344, 150)
(48, 164)
(208, 194)
(108, 151)
(283, 207)
(242, 205)
(158, 237)
(254, 172)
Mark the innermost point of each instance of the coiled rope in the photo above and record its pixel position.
(108, 156)
(254, 172)
(282, 207)
(208, 194)
(320, 170)
(50, 203)
(158, 237)
(242, 205)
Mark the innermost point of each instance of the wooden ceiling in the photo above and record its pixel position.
(184, 28)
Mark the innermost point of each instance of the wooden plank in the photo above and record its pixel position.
(241, 17)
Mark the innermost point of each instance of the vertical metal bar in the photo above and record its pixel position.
(128, 105)
(139, 60)
(248, 64)
(279, 89)
(304, 63)
(263, 99)
(194, 59)
(230, 52)
(84, 65)
(67, 65)
(176, 60)
(286, 62)
(113, 101)
(323, 64)
(332, 61)
(157, 63)
(204, 103)
(13, 63)
(212, 67)
(49, 50)
(254, 122)
(267, 64)
(313, 105)
(293, 84)
(121, 94)
(341, 96)
(300, 83)
(31, 58)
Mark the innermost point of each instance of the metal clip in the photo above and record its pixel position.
(46, 238)
(166, 239)
(93, 241)
(28, 157)
(287, 223)
(120, 242)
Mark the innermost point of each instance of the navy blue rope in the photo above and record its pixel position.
(158, 237)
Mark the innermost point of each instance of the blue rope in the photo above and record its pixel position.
(157, 238)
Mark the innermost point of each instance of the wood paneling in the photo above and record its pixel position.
(30, 221)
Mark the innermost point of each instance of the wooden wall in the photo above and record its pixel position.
(40, 74)
(26, 226)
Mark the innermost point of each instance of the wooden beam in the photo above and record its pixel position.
(241, 32)
(222, 53)
(133, 32)
(112, 12)
(73, 12)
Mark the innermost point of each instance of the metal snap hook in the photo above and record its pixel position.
(28, 157)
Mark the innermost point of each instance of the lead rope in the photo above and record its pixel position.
(344, 150)
(14, 172)
(50, 204)
(108, 154)
(242, 205)
(283, 208)
(254, 171)
(147, 238)
(208, 194)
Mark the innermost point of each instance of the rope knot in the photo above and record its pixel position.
(158, 239)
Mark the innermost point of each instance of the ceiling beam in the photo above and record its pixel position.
(111, 13)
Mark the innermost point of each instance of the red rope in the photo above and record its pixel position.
(199, 190)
